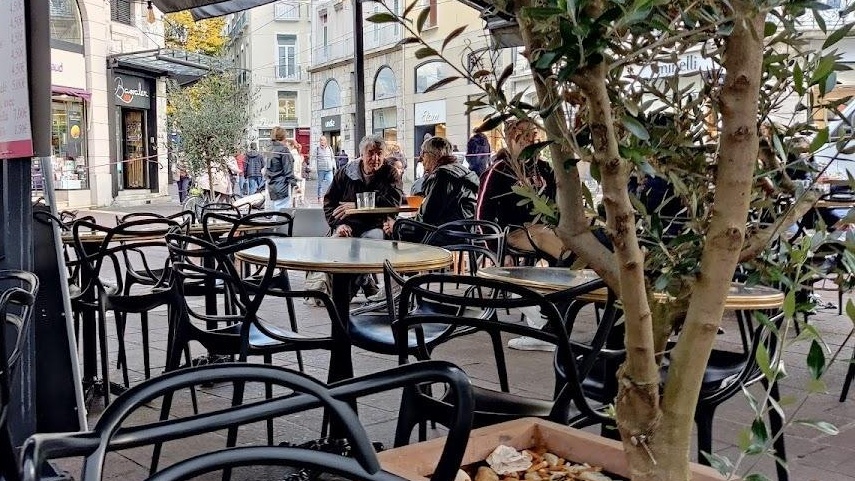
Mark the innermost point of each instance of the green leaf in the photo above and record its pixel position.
(798, 79)
(758, 429)
(744, 439)
(836, 35)
(532, 150)
(636, 127)
(816, 360)
(756, 477)
(440, 83)
(541, 13)
(409, 8)
(850, 310)
(790, 304)
(425, 52)
(421, 19)
(764, 362)
(546, 60)
(822, 426)
(492, 122)
(769, 29)
(408, 41)
(816, 386)
(506, 74)
(382, 17)
(451, 36)
(825, 67)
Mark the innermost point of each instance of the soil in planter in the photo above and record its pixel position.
(545, 467)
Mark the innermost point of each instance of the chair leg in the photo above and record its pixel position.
(704, 421)
(164, 415)
(145, 344)
(406, 420)
(850, 374)
(268, 394)
(8, 459)
(501, 364)
(292, 318)
(105, 361)
(121, 321)
(231, 436)
(776, 425)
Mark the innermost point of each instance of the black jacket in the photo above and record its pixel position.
(280, 172)
(348, 182)
(450, 194)
(497, 202)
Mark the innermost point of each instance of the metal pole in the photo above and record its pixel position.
(359, 76)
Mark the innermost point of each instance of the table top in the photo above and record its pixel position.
(349, 255)
(194, 230)
(835, 204)
(381, 210)
(552, 279)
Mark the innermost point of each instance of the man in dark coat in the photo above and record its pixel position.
(369, 174)
(478, 153)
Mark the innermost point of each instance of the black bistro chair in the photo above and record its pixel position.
(18, 290)
(241, 333)
(566, 404)
(103, 280)
(296, 393)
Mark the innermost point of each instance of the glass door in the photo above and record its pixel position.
(134, 149)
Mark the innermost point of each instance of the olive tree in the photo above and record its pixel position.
(594, 109)
(210, 117)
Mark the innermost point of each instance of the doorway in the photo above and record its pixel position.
(134, 151)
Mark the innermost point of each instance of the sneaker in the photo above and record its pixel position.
(381, 296)
(530, 344)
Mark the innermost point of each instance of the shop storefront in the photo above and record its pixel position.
(135, 128)
(385, 123)
(429, 120)
(331, 128)
(69, 121)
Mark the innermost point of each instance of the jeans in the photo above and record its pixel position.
(183, 187)
(324, 181)
(239, 185)
(280, 204)
(253, 184)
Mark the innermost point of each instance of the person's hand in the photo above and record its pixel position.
(387, 226)
(343, 230)
(338, 212)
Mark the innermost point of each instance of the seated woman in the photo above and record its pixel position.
(450, 189)
(497, 202)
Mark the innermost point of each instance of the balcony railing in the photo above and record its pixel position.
(287, 72)
(381, 35)
(286, 10)
(831, 17)
(333, 51)
(287, 118)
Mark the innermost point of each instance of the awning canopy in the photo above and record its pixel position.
(201, 9)
(72, 92)
(185, 67)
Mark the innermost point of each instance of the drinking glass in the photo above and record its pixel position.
(365, 200)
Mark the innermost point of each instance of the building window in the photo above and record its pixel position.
(286, 57)
(287, 107)
(331, 96)
(286, 10)
(384, 84)
(430, 73)
(68, 142)
(120, 11)
(66, 28)
(431, 19)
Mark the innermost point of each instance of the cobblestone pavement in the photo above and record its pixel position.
(812, 455)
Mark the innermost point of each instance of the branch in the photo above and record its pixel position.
(756, 243)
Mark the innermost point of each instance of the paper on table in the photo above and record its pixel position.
(506, 460)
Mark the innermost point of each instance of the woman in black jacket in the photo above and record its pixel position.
(450, 189)
(280, 172)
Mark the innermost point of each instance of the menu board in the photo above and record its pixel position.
(15, 130)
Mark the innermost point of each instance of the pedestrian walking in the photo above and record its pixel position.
(280, 172)
(325, 165)
(253, 165)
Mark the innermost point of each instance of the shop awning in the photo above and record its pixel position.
(71, 91)
(185, 67)
(201, 9)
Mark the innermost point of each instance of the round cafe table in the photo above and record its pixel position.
(552, 279)
(381, 210)
(345, 258)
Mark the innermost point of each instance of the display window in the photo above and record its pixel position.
(68, 141)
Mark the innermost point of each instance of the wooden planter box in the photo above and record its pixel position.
(417, 461)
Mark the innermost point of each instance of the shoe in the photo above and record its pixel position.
(381, 295)
(370, 291)
(525, 343)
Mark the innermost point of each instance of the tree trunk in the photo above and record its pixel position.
(738, 147)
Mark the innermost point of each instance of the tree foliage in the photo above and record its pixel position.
(722, 206)
(210, 118)
(205, 36)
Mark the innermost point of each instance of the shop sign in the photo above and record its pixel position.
(331, 123)
(129, 91)
(685, 65)
(67, 69)
(430, 113)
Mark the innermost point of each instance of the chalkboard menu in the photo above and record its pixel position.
(15, 134)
